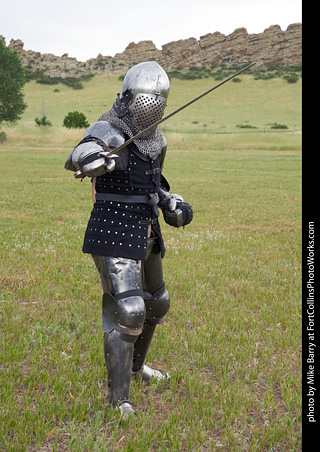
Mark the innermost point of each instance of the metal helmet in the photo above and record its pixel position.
(145, 90)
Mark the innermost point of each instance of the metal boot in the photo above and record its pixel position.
(141, 348)
(118, 351)
(157, 306)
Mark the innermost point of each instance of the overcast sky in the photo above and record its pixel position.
(85, 29)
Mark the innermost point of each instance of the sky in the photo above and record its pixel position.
(85, 29)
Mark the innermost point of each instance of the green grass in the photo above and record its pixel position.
(255, 102)
(231, 340)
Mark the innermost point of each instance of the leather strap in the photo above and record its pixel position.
(150, 200)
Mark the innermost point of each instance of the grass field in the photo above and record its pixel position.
(232, 338)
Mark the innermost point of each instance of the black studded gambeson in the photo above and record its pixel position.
(118, 228)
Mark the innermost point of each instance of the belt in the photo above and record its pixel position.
(151, 221)
(151, 200)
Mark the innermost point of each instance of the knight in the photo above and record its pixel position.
(123, 234)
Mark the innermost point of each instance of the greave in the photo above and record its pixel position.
(118, 354)
(142, 345)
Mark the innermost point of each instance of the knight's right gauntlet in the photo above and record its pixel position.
(88, 161)
(90, 157)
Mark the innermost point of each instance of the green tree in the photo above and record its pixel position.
(11, 83)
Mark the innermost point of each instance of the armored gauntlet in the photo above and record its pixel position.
(175, 211)
(90, 157)
(90, 160)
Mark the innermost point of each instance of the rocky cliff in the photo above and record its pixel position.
(271, 47)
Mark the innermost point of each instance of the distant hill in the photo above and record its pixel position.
(271, 47)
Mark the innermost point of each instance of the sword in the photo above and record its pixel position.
(138, 135)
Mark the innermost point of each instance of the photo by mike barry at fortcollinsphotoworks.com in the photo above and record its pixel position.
(309, 333)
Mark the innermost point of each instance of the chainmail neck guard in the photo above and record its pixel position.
(151, 143)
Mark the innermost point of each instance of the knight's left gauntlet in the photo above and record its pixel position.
(175, 211)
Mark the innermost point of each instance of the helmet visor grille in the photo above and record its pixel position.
(147, 109)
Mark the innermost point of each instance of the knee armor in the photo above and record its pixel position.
(125, 314)
(157, 306)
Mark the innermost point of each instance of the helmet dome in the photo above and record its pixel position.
(147, 85)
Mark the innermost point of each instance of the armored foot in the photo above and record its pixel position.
(146, 374)
(126, 411)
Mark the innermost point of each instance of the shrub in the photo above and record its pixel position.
(245, 126)
(75, 120)
(43, 121)
(3, 137)
(72, 82)
(42, 78)
(278, 126)
(292, 78)
(46, 80)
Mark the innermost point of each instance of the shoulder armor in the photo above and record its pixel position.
(107, 133)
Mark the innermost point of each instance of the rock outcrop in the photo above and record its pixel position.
(271, 47)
